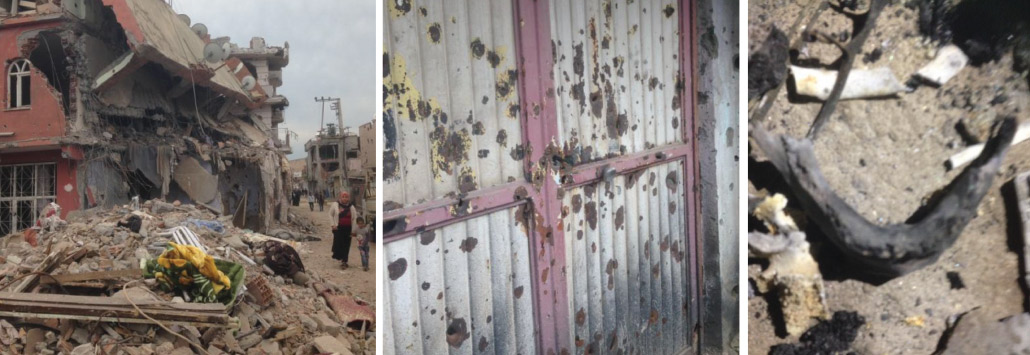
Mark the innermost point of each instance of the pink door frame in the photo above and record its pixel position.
(540, 128)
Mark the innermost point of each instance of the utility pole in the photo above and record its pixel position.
(323, 100)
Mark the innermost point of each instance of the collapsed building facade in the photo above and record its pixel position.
(111, 99)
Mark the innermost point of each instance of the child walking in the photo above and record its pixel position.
(363, 236)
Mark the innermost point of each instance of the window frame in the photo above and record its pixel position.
(22, 83)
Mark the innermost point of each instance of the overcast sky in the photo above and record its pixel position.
(332, 52)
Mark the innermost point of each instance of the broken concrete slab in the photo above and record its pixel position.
(328, 344)
(326, 324)
(200, 184)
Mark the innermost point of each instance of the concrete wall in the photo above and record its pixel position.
(717, 148)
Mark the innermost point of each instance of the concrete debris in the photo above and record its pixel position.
(792, 275)
(861, 84)
(97, 265)
(977, 333)
(949, 61)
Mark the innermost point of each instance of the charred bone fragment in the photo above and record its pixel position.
(892, 250)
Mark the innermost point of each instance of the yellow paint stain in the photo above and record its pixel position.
(404, 98)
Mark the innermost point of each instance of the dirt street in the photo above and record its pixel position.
(361, 283)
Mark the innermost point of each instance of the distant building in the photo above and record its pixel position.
(338, 161)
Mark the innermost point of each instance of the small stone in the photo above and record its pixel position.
(14, 259)
(235, 242)
(309, 324)
(105, 229)
(301, 278)
(270, 347)
(326, 324)
(84, 349)
(108, 135)
(250, 341)
(80, 335)
(182, 351)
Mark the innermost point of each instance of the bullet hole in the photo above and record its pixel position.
(425, 286)
(457, 332)
(581, 317)
(669, 10)
(502, 138)
(591, 214)
(478, 129)
(468, 244)
(434, 32)
(483, 153)
(493, 58)
(397, 268)
(477, 48)
(518, 292)
(427, 237)
(620, 217)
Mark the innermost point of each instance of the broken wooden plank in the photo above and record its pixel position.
(94, 276)
(46, 266)
(113, 309)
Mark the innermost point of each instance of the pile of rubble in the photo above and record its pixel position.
(78, 287)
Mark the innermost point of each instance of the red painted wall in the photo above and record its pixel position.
(45, 119)
(67, 188)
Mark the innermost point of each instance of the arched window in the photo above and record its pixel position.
(18, 84)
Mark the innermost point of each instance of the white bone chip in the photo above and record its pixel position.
(949, 61)
(862, 83)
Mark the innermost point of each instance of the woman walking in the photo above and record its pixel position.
(345, 216)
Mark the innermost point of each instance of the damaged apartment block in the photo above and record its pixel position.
(111, 99)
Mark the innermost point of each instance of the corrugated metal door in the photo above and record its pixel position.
(537, 170)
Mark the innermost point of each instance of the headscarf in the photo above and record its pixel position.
(342, 194)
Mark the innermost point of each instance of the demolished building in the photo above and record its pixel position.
(111, 99)
(337, 161)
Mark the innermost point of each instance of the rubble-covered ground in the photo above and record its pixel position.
(298, 321)
(885, 157)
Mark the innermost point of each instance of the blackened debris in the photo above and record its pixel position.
(827, 337)
(873, 56)
(767, 67)
(955, 280)
(984, 30)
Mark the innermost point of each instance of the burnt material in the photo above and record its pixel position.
(827, 337)
(892, 250)
(983, 29)
(767, 67)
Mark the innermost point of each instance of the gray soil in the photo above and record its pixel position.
(885, 157)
